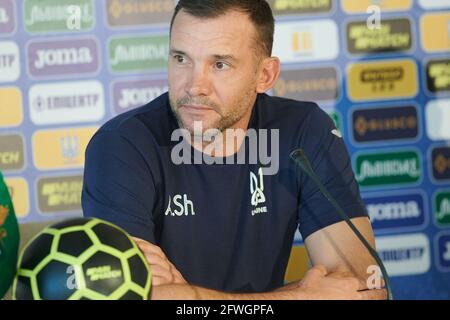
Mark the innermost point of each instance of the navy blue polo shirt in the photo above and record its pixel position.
(228, 227)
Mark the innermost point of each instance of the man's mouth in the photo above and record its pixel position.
(196, 107)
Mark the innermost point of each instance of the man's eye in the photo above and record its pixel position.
(180, 59)
(220, 65)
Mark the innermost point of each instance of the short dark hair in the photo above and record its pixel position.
(259, 12)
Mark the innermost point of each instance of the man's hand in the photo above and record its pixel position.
(339, 285)
(163, 271)
(317, 285)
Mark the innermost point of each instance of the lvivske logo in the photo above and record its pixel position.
(9, 61)
(138, 54)
(297, 42)
(139, 12)
(385, 124)
(438, 75)
(7, 17)
(440, 158)
(433, 41)
(294, 7)
(131, 94)
(12, 151)
(59, 194)
(11, 111)
(258, 198)
(388, 168)
(395, 212)
(18, 189)
(318, 84)
(393, 35)
(437, 114)
(442, 208)
(41, 16)
(405, 254)
(67, 102)
(180, 205)
(361, 6)
(61, 148)
(382, 80)
(63, 58)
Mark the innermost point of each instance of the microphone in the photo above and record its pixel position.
(300, 159)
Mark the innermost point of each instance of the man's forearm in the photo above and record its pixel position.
(190, 292)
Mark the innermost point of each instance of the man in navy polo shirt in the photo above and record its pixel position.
(213, 224)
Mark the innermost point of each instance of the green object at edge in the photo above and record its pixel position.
(9, 239)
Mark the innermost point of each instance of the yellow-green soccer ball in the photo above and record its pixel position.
(82, 258)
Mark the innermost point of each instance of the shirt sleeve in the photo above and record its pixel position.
(331, 162)
(118, 185)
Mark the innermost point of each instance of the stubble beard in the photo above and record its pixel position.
(226, 119)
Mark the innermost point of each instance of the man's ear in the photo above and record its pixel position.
(268, 74)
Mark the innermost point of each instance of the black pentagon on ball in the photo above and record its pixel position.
(138, 270)
(112, 237)
(74, 243)
(56, 281)
(75, 222)
(36, 251)
(103, 273)
(131, 295)
(23, 289)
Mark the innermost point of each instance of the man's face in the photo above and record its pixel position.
(212, 70)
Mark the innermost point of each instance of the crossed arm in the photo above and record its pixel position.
(340, 264)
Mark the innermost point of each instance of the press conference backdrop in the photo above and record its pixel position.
(67, 66)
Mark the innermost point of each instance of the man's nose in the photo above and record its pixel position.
(199, 83)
